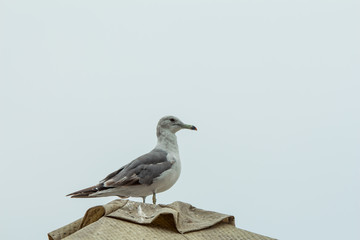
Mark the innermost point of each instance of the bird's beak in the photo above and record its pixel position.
(191, 127)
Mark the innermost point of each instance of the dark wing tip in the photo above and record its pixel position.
(84, 193)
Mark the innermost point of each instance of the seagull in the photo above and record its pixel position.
(149, 174)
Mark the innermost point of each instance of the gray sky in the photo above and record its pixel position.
(273, 87)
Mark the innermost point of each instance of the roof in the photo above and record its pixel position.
(135, 220)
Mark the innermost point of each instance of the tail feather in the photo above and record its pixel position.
(86, 192)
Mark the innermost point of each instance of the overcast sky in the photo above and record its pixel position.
(272, 86)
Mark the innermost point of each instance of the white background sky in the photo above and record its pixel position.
(273, 87)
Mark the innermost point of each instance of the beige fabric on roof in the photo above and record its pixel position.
(123, 219)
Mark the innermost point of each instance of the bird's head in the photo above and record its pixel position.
(172, 124)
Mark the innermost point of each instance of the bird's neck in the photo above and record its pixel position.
(167, 141)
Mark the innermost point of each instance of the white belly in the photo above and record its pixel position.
(167, 179)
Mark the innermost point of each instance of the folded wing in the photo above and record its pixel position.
(142, 170)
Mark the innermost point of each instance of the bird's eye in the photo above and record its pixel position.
(172, 120)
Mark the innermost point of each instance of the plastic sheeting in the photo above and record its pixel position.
(124, 219)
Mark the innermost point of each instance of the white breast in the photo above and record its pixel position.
(168, 178)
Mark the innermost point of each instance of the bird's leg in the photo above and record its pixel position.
(143, 199)
(154, 198)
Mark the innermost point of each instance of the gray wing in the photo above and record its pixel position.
(142, 170)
